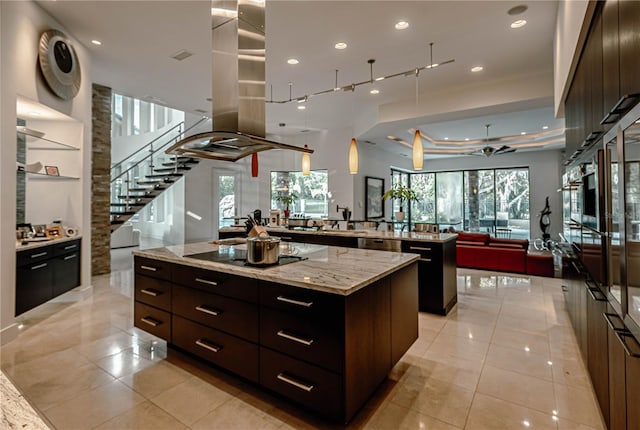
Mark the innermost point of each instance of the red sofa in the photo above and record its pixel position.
(481, 251)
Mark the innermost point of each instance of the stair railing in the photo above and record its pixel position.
(129, 179)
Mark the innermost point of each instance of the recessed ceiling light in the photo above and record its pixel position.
(374, 91)
(381, 78)
(96, 42)
(466, 138)
(401, 25)
(341, 45)
(475, 69)
(545, 127)
(292, 61)
(446, 138)
(519, 23)
(302, 107)
(517, 10)
(523, 133)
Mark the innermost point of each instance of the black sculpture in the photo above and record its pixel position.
(545, 220)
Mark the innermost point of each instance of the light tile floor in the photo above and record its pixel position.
(504, 358)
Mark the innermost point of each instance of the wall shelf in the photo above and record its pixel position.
(34, 142)
(44, 176)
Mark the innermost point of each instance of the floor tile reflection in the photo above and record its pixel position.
(505, 357)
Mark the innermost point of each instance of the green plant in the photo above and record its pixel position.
(287, 199)
(401, 193)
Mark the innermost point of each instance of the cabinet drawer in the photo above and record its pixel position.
(67, 247)
(429, 252)
(152, 291)
(154, 268)
(34, 255)
(229, 352)
(315, 388)
(309, 304)
(217, 282)
(34, 285)
(230, 315)
(152, 320)
(315, 343)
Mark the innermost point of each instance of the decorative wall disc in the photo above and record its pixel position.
(59, 64)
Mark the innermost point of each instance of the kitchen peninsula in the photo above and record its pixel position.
(322, 331)
(436, 268)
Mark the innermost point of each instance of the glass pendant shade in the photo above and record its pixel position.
(353, 157)
(306, 163)
(418, 152)
(254, 165)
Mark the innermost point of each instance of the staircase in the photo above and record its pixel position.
(145, 174)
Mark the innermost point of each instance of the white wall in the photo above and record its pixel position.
(545, 177)
(21, 25)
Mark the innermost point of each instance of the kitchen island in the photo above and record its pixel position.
(322, 331)
(437, 282)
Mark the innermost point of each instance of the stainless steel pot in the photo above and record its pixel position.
(263, 249)
(297, 222)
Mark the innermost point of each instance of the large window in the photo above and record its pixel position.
(492, 200)
(309, 192)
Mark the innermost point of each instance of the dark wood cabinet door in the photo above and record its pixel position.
(610, 54)
(66, 272)
(632, 366)
(595, 84)
(598, 363)
(34, 285)
(617, 374)
(629, 40)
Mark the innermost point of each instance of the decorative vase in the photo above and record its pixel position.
(399, 216)
(286, 213)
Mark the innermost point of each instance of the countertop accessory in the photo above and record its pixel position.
(263, 249)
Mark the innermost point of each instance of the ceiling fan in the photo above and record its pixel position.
(489, 151)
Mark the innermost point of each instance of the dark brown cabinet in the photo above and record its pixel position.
(324, 351)
(617, 374)
(629, 46)
(597, 347)
(610, 54)
(437, 288)
(46, 272)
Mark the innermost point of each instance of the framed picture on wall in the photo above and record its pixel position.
(373, 191)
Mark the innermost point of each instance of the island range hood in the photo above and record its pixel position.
(238, 86)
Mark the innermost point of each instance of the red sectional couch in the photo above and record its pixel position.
(481, 251)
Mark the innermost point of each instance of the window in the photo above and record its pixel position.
(492, 200)
(310, 192)
(226, 200)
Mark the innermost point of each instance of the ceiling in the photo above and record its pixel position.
(139, 37)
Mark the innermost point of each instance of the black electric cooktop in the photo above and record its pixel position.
(238, 257)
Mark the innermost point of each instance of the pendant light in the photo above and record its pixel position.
(418, 151)
(254, 165)
(353, 157)
(306, 163)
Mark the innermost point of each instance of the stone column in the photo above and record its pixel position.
(474, 201)
(101, 180)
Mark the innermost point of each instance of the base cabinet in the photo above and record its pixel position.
(46, 272)
(326, 352)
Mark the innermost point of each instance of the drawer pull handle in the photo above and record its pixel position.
(286, 238)
(615, 327)
(39, 266)
(70, 247)
(294, 338)
(69, 257)
(152, 269)
(426, 260)
(295, 302)
(207, 345)
(291, 381)
(208, 310)
(151, 292)
(205, 281)
(151, 321)
(621, 335)
(40, 254)
(420, 248)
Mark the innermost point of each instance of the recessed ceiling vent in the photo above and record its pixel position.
(238, 86)
(182, 55)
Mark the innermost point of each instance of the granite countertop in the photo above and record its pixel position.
(372, 234)
(330, 269)
(39, 244)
